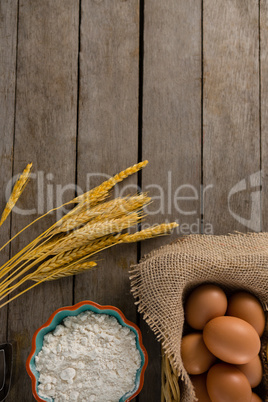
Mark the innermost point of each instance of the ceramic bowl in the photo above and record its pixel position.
(57, 318)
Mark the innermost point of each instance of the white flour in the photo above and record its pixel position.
(90, 358)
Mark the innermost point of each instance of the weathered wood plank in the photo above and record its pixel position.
(45, 133)
(231, 115)
(264, 108)
(108, 132)
(171, 132)
(8, 39)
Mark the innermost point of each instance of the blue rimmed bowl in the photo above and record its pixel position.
(57, 317)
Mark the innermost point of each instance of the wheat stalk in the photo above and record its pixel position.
(62, 272)
(90, 227)
(16, 192)
(104, 243)
(99, 193)
(110, 209)
(90, 232)
(93, 195)
(67, 256)
(61, 259)
(72, 257)
(48, 268)
(86, 200)
(154, 231)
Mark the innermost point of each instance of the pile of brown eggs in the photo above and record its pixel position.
(221, 354)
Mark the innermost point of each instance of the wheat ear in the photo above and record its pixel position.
(62, 273)
(16, 192)
(97, 194)
(154, 231)
(95, 246)
(90, 232)
(107, 185)
(107, 210)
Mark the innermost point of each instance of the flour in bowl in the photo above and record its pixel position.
(88, 358)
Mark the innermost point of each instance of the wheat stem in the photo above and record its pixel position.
(122, 238)
(16, 260)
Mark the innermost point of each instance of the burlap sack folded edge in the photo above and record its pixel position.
(252, 244)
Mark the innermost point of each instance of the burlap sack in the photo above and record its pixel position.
(162, 280)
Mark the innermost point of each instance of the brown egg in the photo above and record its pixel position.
(247, 307)
(226, 383)
(255, 398)
(200, 387)
(253, 371)
(203, 304)
(195, 356)
(231, 339)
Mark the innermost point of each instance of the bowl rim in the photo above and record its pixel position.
(76, 307)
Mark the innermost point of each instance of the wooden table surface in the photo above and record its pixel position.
(90, 87)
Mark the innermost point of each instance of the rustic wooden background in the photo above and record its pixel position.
(93, 86)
